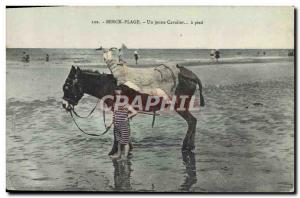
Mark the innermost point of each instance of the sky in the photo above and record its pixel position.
(223, 27)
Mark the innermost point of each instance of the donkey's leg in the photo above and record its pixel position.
(187, 87)
(189, 140)
(130, 146)
(114, 148)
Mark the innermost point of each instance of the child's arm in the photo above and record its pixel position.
(109, 125)
(132, 111)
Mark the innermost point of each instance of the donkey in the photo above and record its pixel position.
(80, 82)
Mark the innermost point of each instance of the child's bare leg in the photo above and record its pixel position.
(126, 150)
(118, 154)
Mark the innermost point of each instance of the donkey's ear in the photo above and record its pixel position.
(78, 70)
(72, 68)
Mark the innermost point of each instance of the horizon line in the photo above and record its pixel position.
(137, 48)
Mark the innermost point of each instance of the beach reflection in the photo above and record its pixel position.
(122, 172)
(188, 158)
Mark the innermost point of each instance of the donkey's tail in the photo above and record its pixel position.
(202, 101)
(192, 76)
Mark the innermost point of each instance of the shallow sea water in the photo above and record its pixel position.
(240, 147)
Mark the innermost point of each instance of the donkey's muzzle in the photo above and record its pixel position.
(66, 105)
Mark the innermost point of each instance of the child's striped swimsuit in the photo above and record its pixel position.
(121, 125)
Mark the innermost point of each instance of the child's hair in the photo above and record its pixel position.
(118, 88)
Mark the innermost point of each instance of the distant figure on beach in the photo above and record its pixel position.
(47, 57)
(24, 57)
(136, 57)
(27, 58)
(212, 54)
(217, 55)
(291, 53)
(264, 53)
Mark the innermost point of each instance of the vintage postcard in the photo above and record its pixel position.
(150, 99)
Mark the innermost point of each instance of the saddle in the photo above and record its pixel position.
(159, 81)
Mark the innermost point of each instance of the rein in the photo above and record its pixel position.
(73, 109)
(91, 134)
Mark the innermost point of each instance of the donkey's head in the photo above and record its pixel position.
(72, 88)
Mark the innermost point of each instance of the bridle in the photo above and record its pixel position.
(74, 83)
(72, 110)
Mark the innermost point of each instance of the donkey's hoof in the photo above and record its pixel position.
(130, 147)
(112, 152)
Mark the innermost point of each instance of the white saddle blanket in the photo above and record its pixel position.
(158, 81)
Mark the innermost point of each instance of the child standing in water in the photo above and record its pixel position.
(121, 116)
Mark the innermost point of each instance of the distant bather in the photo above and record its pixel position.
(136, 57)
